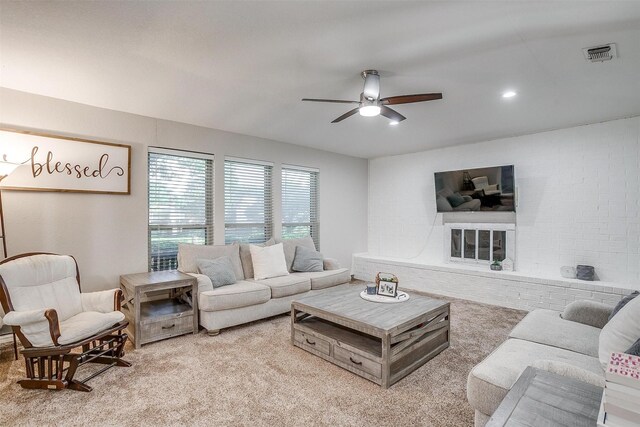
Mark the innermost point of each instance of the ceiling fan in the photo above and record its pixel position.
(371, 104)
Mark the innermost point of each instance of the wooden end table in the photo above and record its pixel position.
(160, 305)
(541, 398)
(380, 342)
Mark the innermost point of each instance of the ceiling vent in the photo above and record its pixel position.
(602, 53)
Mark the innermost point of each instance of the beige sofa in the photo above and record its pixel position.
(248, 299)
(565, 343)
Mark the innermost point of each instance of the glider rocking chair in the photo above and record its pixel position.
(40, 294)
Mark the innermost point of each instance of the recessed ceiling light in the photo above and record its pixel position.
(393, 123)
(509, 94)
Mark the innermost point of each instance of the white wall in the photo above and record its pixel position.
(579, 199)
(108, 233)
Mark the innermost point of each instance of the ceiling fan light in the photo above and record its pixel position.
(369, 111)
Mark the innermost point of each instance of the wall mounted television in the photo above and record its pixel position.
(490, 189)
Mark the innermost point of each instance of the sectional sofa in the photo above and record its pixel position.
(248, 299)
(566, 343)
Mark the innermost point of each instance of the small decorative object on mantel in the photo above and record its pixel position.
(387, 284)
(507, 264)
(585, 272)
(568, 272)
(496, 266)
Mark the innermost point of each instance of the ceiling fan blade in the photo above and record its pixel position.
(391, 114)
(336, 101)
(346, 115)
(407, 99)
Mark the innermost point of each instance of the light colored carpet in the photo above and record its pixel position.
(251, 375)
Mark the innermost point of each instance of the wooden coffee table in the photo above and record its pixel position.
(380, 342)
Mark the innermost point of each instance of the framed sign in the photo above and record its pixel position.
(60, 163)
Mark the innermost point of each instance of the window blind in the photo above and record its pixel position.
(248, 213)
(180, 204)
(300, 204)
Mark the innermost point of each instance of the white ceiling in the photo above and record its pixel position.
(244, 66)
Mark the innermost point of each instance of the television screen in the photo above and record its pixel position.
(470, 190)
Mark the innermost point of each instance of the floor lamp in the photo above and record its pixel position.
(5, 170)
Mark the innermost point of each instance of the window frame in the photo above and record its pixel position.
(314, 198)
(208, 226)
(268, 223)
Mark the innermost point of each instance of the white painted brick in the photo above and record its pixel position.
(507, 292)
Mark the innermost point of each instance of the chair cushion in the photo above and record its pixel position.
(240, 294)
(327, 278)
(285, 286)
(188, 256)
(43, 281)
(547, 327)
(490, 380)
(289, 247)
(86, 324)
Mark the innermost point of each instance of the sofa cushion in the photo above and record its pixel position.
(490, 380)
(85, 324)
(307, 260)
(245, 257)
(188, 256)
(240, 294)
(327, 278)
(472, 205)
(621, 332)
(285, 286)
(443, 204)
(547, 327)
(219, 270)
(289, 247)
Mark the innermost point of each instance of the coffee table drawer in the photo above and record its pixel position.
(309, 341)
(357, 361)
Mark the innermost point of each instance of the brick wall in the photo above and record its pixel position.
(512, 290)
(578, 202)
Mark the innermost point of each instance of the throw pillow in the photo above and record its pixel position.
(634, 349)
(268, 261)
(289, 247)
(623, 302)
(219, 270)
(245, 257)
(467, 198)
(307, 260)
(455, 199)
(621, 332)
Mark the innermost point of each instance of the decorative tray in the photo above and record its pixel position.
(402, 296)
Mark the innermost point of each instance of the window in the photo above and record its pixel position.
(480, 243)
(180, 204)
(248, 213)
(300, 203)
